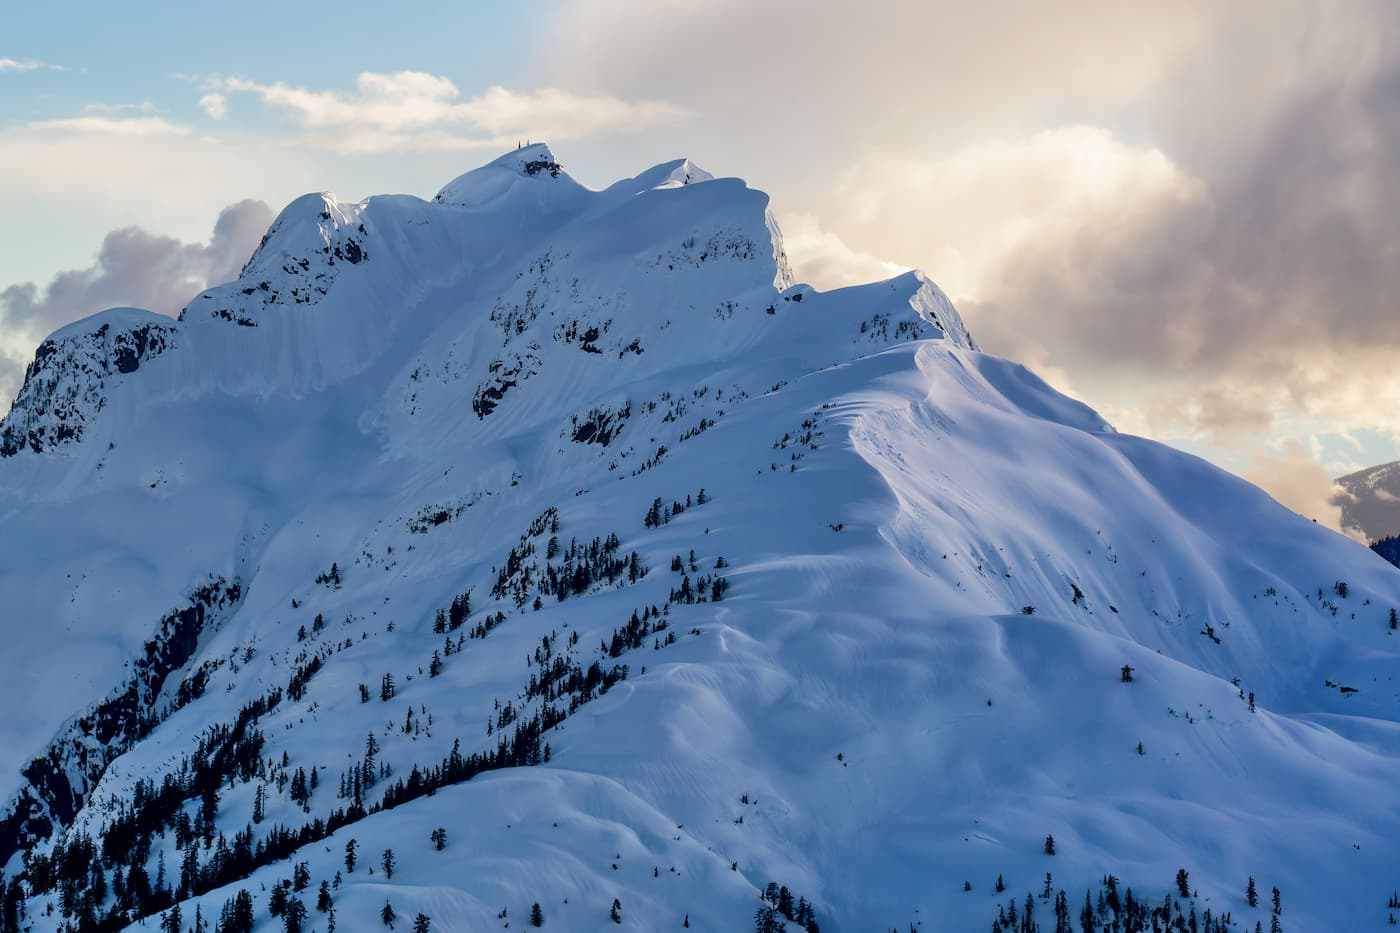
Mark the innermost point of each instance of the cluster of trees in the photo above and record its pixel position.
(635, 632)
(232, 752)
(57, 783)
(451, 618)
(658, 513)
(1114, 911)
(1389, 548)
(582, 567)
(705, 589)
(779, 905)
(805, 436)
(330, 577)
(303, 672)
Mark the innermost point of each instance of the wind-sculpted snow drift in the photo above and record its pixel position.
(566, 522)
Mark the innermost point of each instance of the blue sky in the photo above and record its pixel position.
(126, 50)
(1183, 213)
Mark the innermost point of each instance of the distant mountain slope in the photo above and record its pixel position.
(1375, 504)
(1389, 548)
(542, 548)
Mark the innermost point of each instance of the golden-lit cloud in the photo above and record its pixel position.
(411, 110)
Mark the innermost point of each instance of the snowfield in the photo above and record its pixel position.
(722, 579)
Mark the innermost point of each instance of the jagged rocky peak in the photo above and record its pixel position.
(66, 385)
(672, 262)
(296, 263)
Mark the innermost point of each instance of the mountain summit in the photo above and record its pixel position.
(539, 555)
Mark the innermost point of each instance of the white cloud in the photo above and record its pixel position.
(98, 107)
(215, 105)
(1302, 484)
(1203, 241)
(110, 126)
(959, 216)
(823, 259)
(11, 64)
(413, 110)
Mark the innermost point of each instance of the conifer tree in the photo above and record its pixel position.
(1251, 896)
(277, 900)
(536, 915)
(294, 917)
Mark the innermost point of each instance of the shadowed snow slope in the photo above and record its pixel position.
(765, 583)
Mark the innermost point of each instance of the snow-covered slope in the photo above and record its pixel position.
(1374, 505)
(565, 522)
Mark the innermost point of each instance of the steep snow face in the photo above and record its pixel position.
(667, 577)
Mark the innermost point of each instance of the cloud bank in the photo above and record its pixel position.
(412, 110)
(132, 267)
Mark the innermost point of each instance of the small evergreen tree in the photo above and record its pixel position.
(615, 914)
(294, 917)
(1251, 896)
(350, 855)
(1183, 886)
(421, 923)
(536, 915)
(277, 900)
(387, 915)
(388, 863)
(323, 897)
(1049, 845)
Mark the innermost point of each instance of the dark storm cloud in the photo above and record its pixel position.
(1298, 245)
(132, 267)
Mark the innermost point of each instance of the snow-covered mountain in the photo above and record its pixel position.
(1374, 506)
(558, 542)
